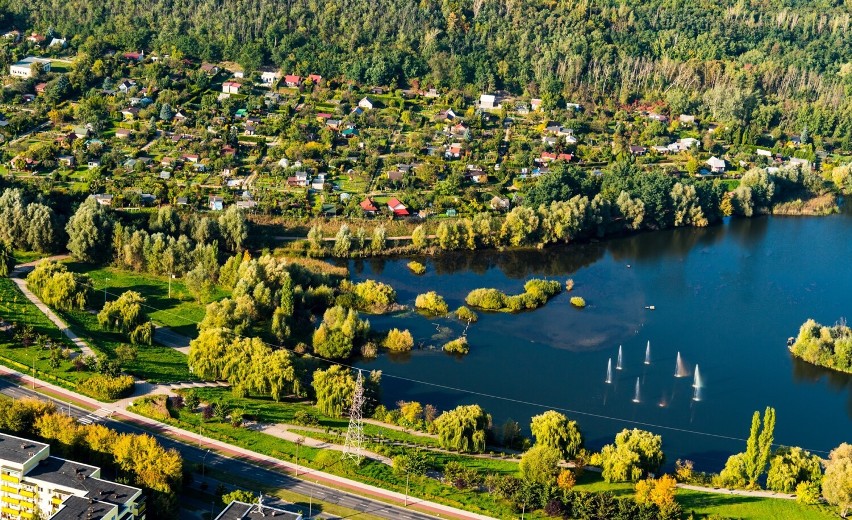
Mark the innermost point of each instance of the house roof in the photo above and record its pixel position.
(292, 78)
(397, 207)
(367, 205)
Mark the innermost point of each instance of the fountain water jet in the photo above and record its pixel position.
(618, 364)
(696, 396)
(648, 353)
(609, 371)
(680, 369)
(636, 395)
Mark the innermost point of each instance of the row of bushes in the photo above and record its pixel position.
(107, 388)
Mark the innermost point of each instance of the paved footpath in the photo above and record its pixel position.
(19, 276)
(117, 412)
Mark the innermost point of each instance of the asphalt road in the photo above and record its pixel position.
(237, 468)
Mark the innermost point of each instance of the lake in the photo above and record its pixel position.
(726, 298)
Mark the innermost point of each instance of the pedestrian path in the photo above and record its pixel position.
(19, 277)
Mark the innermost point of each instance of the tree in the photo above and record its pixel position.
(659, 491)
(759, 445)
(334, 389)
(463, 429)
(343, 241)
(432, 302)
(419, 239)
(540, 464)
(166, 112)
(398, 340)
(59, 288)
(634, 453)
(125, 315)
(837, 481)
(554, 430)
(379, 240)
(90, 232)
(233, 228)
(239, 495)
(790, 467)
(7, 259)
(339, 332)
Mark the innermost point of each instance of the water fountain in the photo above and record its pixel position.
(648, 353)
(680, 369)
(618, 364)
(609, 371)
(696, 396)
(636, 395)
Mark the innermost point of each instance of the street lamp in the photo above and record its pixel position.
(170, 284)
(407, 477)
(34, 356)
(203, 459)
(106, 282)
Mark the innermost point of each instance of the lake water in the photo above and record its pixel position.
(727, 298)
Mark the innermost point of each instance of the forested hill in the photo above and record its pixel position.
(621, 48)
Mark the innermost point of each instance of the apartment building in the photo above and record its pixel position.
(32, 481)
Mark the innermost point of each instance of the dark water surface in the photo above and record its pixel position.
(727, 298)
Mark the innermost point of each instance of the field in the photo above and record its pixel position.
(15, 308)
(180, 312)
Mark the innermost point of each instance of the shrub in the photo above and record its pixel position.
(457, 346)
(374, 296)
(416, 267)
(578, 301)
(432, 302)
(107, 388)
(369, 350)
(305, 418)
(569, 284)
(489, 299)
(398, 340)
(465, 314)
(154, 406)
(460, 477)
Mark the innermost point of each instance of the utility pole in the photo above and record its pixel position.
(355, 434)
(170, 284)
(33, 371)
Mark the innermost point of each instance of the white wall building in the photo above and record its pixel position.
(23, 69)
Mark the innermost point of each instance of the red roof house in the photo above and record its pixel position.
(397, 207)
(368, 206)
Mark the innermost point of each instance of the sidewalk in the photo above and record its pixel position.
(740, 492)
(119, 413)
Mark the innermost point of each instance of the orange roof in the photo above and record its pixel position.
(367, 205)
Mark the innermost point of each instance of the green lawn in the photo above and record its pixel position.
(153, 363)
(180, 312)
(728, 506)
(15, 308)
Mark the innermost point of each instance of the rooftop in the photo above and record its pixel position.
(241, 510)
(82, 508)
(18, 450)
(62, 472)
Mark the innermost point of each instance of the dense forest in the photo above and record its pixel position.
(602, 50)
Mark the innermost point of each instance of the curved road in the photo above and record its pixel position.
(236, 467)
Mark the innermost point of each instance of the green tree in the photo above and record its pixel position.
(554, 430)
(634, 453)
(790, 467)
(239, 495)
(125, 315)
(419, 238)
(837, 481)
(90, 232)
(463, 429)
(432, 302)
(334, 389)
(7, 259)
(540, 464)
(759, 445)
(398, 340)
(233, 228)
(343, 241)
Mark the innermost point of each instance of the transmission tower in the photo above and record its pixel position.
(355, 434)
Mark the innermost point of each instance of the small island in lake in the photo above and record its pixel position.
(829, 347)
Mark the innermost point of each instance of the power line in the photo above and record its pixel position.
(478, 393)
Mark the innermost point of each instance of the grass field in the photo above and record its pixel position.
(153, 363)
(15, 308)
(180, 312)
(728, 506)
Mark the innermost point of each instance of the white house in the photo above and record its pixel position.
(716, 165)
(366, 103)
(269, 76)
(231, 87)
(488, 101)
(763, 153)
(24, 69)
